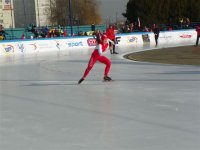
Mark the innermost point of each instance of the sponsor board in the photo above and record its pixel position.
(91, 42)
(72, 44)
(45, 44)
(146, 39)
(118, 39)
(186, 36)
(67, 44)
(8, 49)
(131, 39)
(21, 47)
(166, 37)
(58, 44)
(33, 46)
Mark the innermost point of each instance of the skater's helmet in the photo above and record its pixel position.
(103, 37)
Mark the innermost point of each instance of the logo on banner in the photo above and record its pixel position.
(146, 39)
(75, 44)
(58, 45)
(21, 47)
(34, 46)
(165, 37)
(45, 44)
(131, 39)
(8, 48)
(118, 39)
(92, 42)
(186, 36)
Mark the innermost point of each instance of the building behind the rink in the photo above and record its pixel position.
(6, 13)
(22, 13)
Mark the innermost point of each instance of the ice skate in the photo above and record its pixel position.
(81, 80)
(106, 78)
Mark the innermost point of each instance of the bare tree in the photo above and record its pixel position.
(83, 12)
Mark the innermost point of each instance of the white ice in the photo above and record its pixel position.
(148, 106)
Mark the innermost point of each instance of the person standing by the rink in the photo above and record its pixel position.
(198, 35)
(2, 33)
(156, 32)
(97, 55)
(111, 35)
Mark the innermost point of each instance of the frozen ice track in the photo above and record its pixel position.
(148, 106)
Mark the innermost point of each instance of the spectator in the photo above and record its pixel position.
(2, 33)
(22, 36)
(111, 35)
(85, 34)
(57, 32)
(187, 22)
(170, 28)
(128, 29)
(42, 33)
(93, 27)
(181, 22)
(46, 30)
(156, 32)
(198, 35)
(131, 27)
(52, 32)
(65, 33)
(123, 29)
(146, 29)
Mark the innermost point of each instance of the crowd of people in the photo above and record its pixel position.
(47, 32)
(136, 27)
(126, 27)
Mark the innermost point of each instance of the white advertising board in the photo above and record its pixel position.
(83, 43)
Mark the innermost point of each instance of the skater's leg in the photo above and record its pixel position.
(91, 63)
(105, 61)
(89, 67)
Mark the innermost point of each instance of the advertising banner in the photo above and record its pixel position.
(83, 44)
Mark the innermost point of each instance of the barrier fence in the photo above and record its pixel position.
(31, 46)
(16, 33)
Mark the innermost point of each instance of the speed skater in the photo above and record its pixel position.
(97, 55)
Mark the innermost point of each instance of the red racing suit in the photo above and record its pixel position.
(97, 56)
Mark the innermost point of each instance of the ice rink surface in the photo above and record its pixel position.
(148, 106)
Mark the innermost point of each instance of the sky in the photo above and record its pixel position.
(112, 9)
